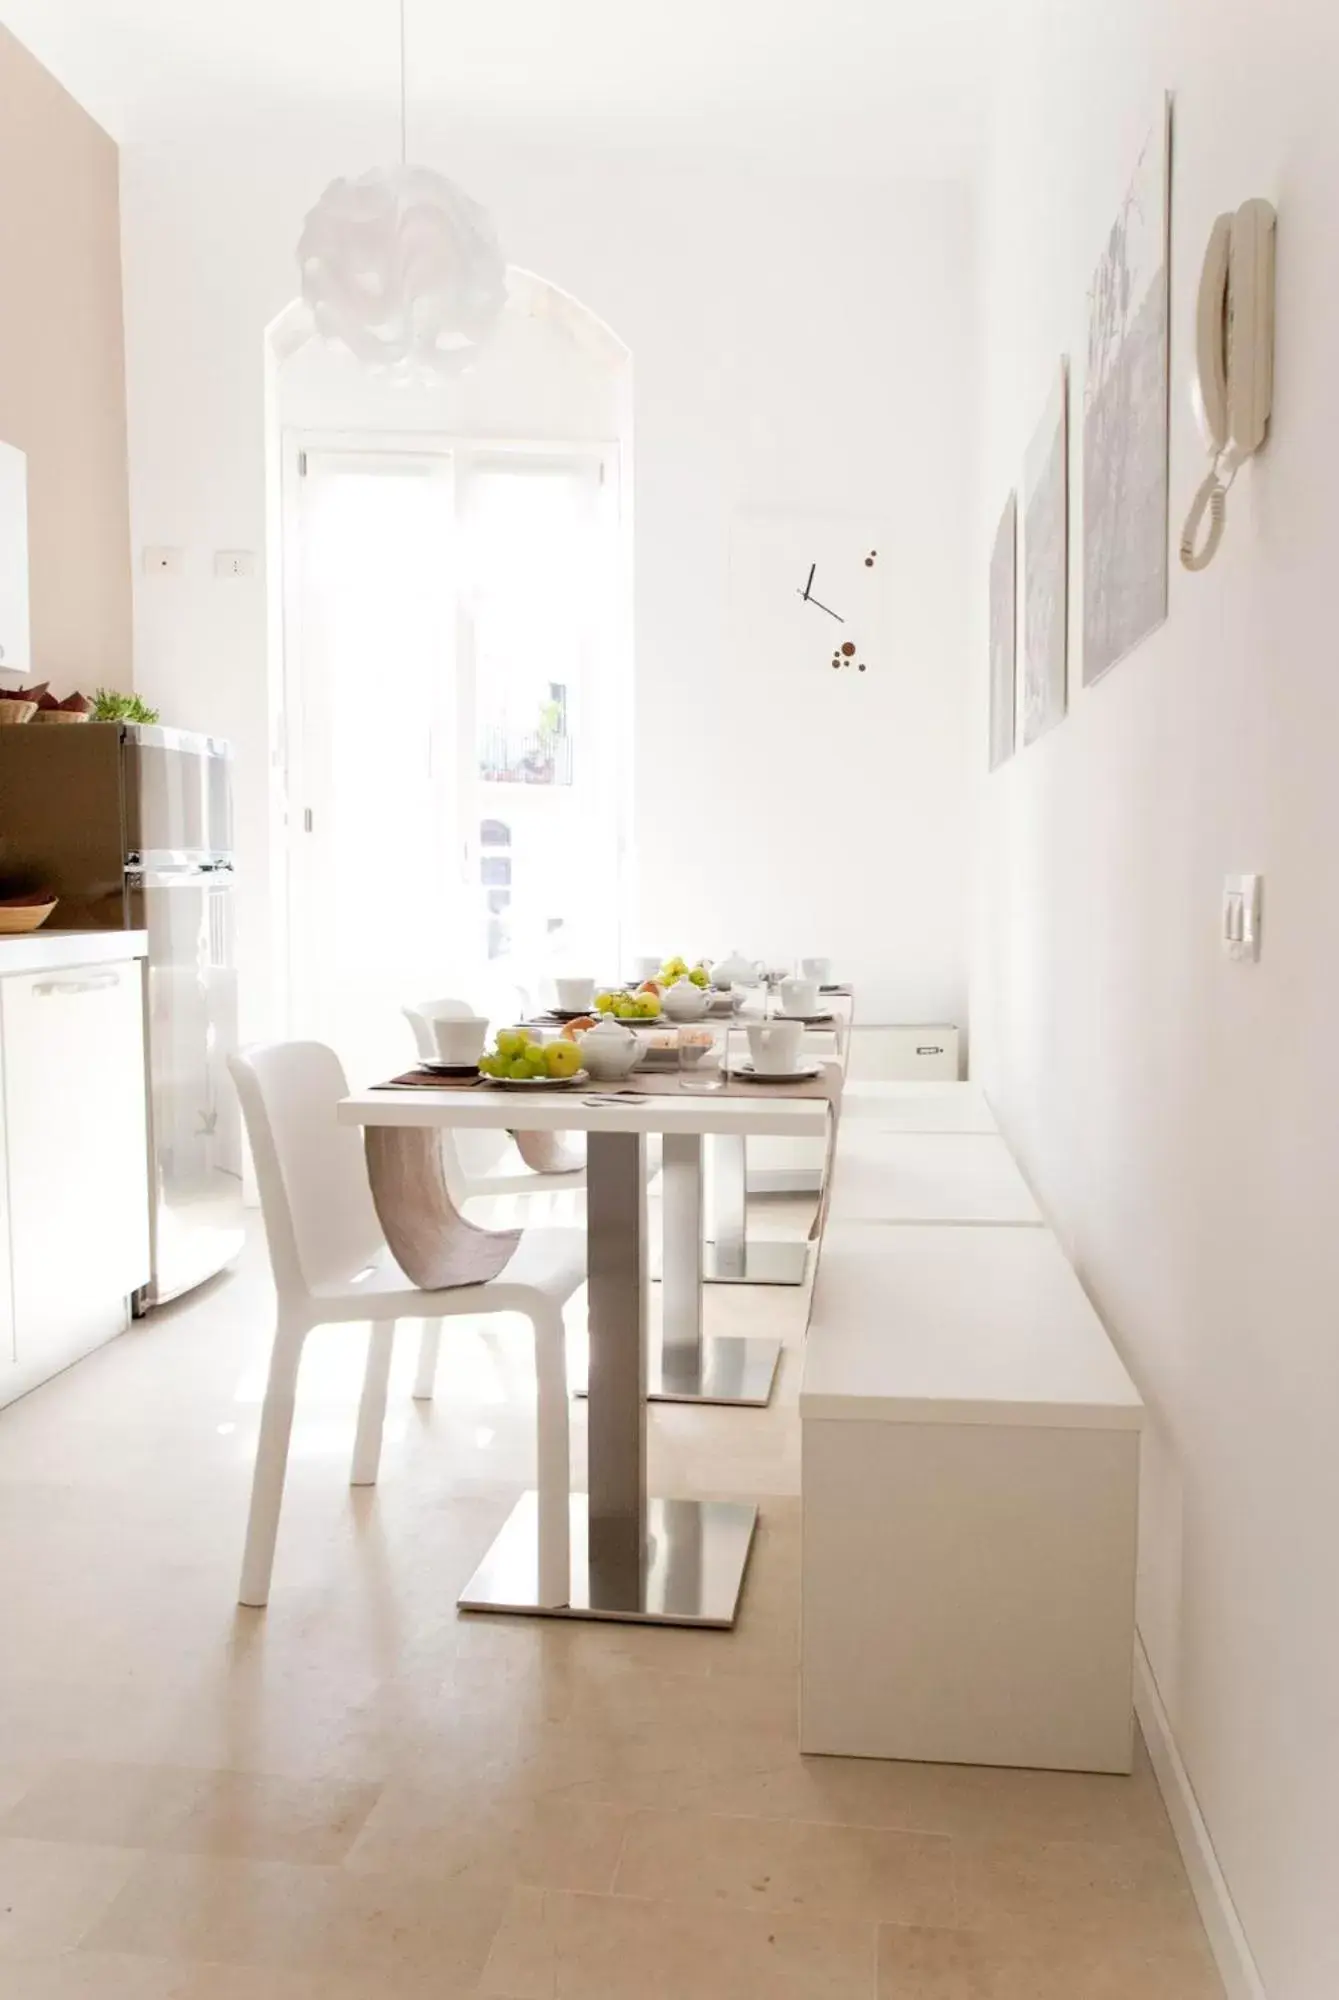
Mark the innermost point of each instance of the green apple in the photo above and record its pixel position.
(510, 1041)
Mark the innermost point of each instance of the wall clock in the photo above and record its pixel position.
(812, 590)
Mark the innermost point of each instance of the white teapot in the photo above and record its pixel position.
(684, 1001)
(736, 970)
(609, 1050)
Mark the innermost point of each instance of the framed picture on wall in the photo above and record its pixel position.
(1004, 635)
(1125, 418)
(1046, 566)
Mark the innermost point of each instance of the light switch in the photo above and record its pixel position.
(1241, 915)
(234, 563)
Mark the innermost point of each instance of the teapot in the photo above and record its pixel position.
(684, 1001)
(736, 970)
(609, 1051)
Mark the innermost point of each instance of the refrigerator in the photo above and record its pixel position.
(131, 826)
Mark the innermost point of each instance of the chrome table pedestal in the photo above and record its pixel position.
(671, 1562)
(691, 1367)
(730, 1258)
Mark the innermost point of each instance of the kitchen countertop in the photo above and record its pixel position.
(51, 950)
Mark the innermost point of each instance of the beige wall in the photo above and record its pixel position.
(1176, 1110)
(62, 371)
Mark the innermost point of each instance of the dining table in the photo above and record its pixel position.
(635, 1556)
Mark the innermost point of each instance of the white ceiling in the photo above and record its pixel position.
(905, 80)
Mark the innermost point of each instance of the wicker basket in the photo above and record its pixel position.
(16, 919)
(17, 711)
(61, 715)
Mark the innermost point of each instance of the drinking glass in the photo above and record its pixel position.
(702, 1057)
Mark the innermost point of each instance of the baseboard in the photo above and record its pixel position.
(1236, 1965)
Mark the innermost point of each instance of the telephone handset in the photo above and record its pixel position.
(1234, 362)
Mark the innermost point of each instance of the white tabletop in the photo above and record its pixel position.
(762, 1112)
(927, 1177)
(963, 1326)
(918, 1107)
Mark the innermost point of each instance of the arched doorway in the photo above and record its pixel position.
(454, 688)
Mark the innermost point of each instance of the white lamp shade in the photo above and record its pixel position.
(404, 270)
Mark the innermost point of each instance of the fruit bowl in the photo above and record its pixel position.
(20, 919)
(538, 1082)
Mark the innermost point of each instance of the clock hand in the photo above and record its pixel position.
(828, 608)
(810, 583)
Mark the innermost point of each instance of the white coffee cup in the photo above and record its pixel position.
(574, 995)
(459, 1041)
(646, 968)
(799, 996)
(774, 1046)
(817, 969)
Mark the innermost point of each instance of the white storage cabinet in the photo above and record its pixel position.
(74, 1247)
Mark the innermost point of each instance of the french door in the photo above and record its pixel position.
(454, 727)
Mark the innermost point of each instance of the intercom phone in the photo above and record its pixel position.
(1234, 362)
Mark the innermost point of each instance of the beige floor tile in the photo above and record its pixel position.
(52, 1893)
(859, 1873)
(1014, 1887)
(262, 1818)
(344, 1792)
(452, 1831)
(81, 1975)
(556, 1947)
(967, 1965)
(275, 1915)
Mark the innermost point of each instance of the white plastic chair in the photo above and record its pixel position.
(480, 1167)
(331, 1264)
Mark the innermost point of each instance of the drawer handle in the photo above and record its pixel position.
(926, 1049)
(99, 983)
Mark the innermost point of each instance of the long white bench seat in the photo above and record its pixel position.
(918, 1107)
(970, 1495)
(925, 1177)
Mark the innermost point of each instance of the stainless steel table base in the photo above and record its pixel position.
(690, 1368)
(689, 1568)
(724, 1370)
(756, 1264)
(730, 1258)
(730, 1371)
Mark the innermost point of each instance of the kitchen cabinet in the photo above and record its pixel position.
(75, 1159)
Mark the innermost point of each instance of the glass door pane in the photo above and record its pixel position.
(378, 891)
(544, 863)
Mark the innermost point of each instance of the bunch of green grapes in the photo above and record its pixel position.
(516, 1055)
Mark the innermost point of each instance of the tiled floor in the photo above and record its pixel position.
(360, 1796)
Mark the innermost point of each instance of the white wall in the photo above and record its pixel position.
(1177, 1111)
(797, 344)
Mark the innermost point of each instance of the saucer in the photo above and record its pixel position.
(805, 1073)
(568, 1013)
(435, 1067)
(818, 1020)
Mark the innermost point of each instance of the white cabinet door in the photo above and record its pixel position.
(8, 1352)
(76, 1148)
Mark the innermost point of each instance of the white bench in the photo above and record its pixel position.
(917, 1107)
(970, 1491)
(945, 1176)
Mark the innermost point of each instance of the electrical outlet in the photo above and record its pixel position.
(233, 563)
(164, 562)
